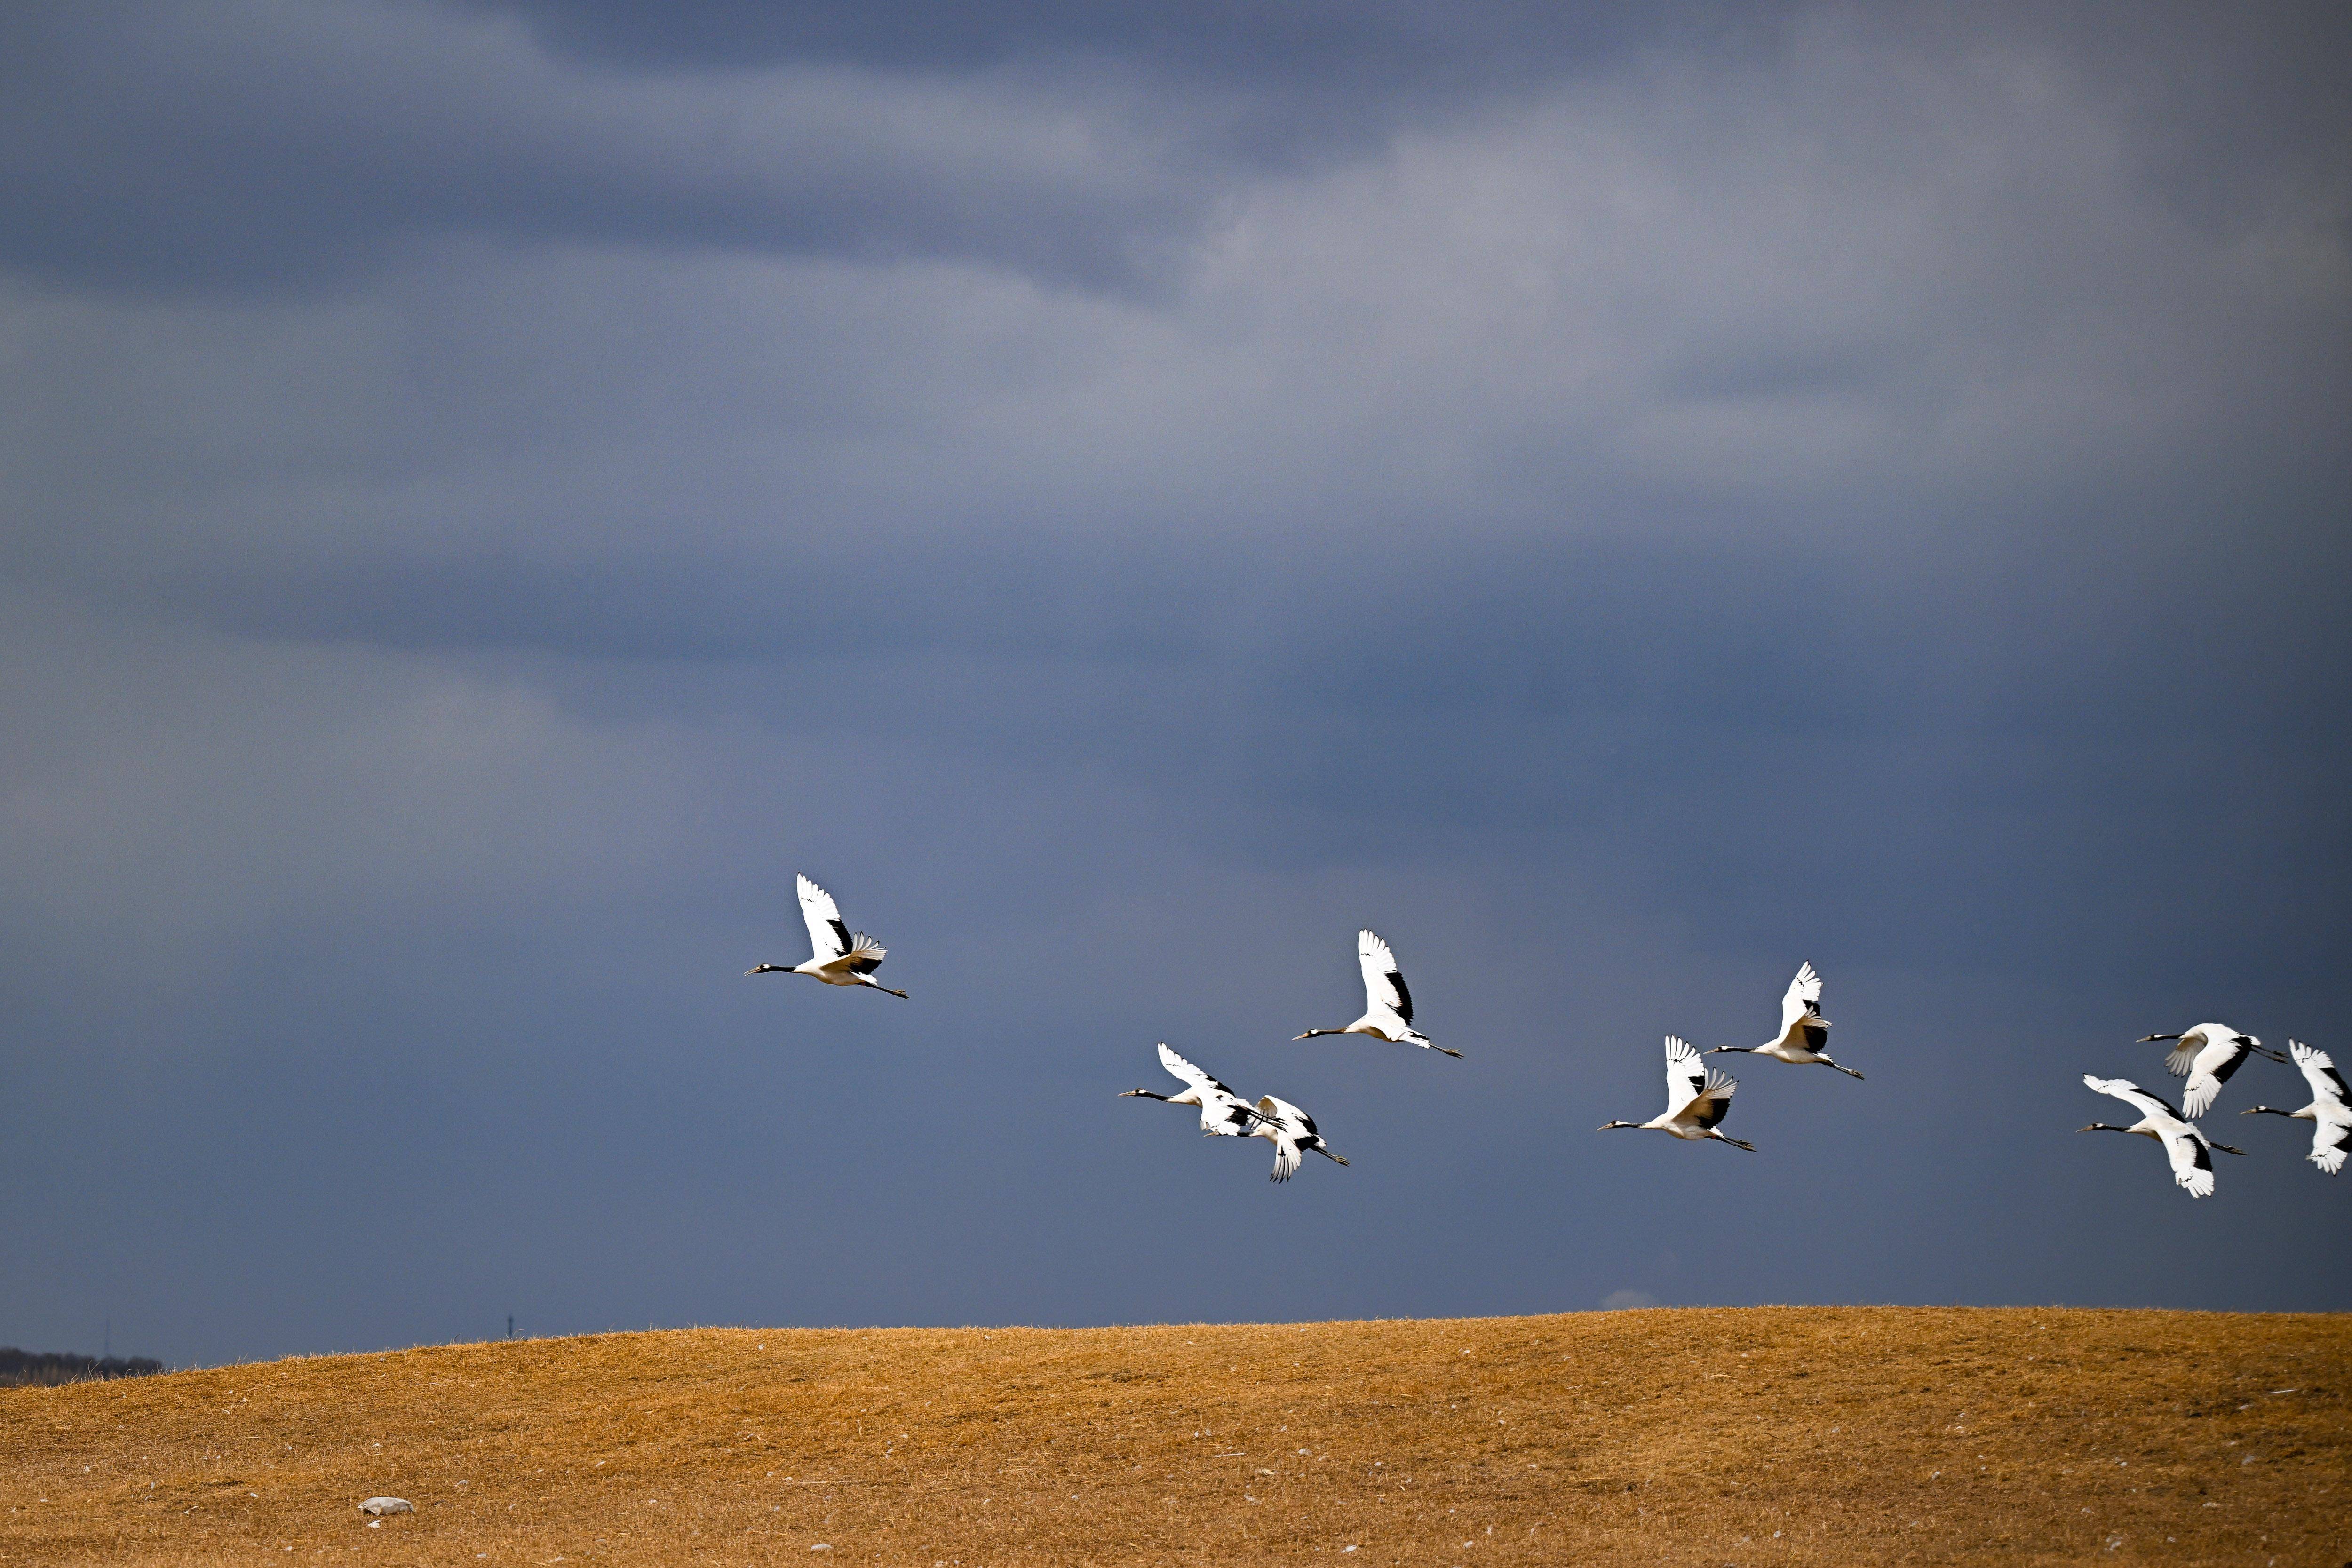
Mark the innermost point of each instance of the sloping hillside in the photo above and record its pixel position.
(1760, 1436)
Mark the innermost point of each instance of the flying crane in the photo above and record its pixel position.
(1388, 1005)
(839, 957)
(2329, 1112)
(1804, 1034)
(2185, 1144)
(2207, 1055)
(1697, 1100)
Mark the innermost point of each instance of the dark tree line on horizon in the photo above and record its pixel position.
(20, 1369)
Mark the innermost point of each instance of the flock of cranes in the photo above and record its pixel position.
(1224, 1114)
(2207, 1055)
(1697, 1098)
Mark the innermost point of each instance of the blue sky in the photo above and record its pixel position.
(1125, 496)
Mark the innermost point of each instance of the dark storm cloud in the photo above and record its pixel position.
(1125, 497)
(261, 146)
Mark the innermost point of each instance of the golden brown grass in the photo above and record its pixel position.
(1761, 1436)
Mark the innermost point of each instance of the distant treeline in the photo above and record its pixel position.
(19, 1368)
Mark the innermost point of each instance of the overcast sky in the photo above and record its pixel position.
(1125, 495)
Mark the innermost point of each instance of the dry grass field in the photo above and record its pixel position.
(1761, 1436)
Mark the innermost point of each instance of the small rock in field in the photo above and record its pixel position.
(381, 1506)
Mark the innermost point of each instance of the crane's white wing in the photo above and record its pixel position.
(2182, 1060)
(2131, 1094)
(1192, 1075)
(2192, 1163)
(1803, 1000)
(2212, 1069)
(1686, 1078)
(827, 935)
(1286, 1159)
(1222, 1112)
(2331, 1140)
(2194, 1044)
(1383, 981)
(2327, 1084)
(1282, 1131)
(1712, 1103)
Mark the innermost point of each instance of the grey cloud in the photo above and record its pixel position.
(171, 147)
(1378, 45)
(1567, 321)
(162, 146)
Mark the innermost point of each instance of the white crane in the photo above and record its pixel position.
(2207, 1055)
(839, 958)
(1388, 1005)
(1223, 1113)
(2185, 1144)
(1698, 1099)
(1292, 1133)
(2329, 1112)
(1803, 1031)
